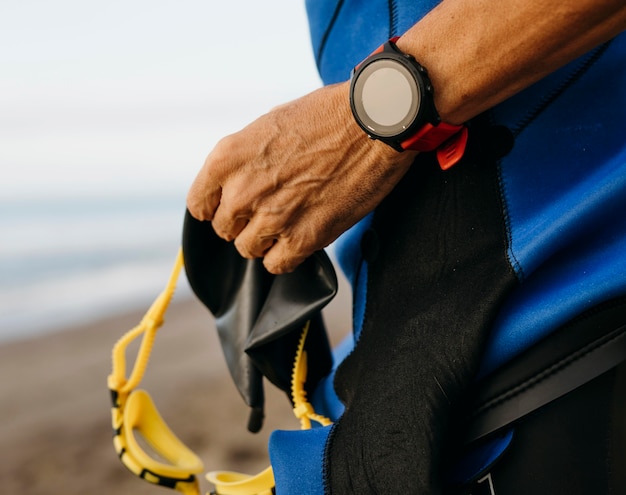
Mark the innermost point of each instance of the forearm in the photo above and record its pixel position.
(296, 178)
(480, 52)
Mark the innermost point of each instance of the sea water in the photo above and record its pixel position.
(71, 260)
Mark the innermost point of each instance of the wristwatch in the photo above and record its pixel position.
(391, 98)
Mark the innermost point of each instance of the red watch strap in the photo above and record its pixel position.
(430, 137)
(449, 141)
(379, 49)
(452, 150)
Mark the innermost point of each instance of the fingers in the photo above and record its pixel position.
(278, 255)
(253, 247)
(205, 194)
(258, 236)
(203, 199)
(282, 251)
(227, 225)
(281, 259)
(235, 209)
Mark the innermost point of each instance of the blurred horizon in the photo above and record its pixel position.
(107, 112)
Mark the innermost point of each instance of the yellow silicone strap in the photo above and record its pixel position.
(134, 415)
(302, 409)
(148, 326)
(142, 439)
(231, 483)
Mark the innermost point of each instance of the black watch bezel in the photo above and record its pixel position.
(422, 109)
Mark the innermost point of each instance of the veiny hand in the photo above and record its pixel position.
(292, 181)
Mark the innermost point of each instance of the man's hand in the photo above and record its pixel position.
(296, 178)
(293, 180)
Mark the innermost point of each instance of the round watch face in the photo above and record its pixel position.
(386, 97)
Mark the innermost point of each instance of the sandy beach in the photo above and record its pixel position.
(55, 430)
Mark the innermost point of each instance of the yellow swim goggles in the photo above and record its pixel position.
(142, 439)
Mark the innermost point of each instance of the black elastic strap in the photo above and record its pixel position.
(575, 354)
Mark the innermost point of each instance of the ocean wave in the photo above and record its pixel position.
(57, 304)
(68, 261)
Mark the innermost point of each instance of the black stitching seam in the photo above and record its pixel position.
(525, 122)
(514, 262)
(393, 23)
(322, 47)
(393, 17)
(560, 89)
(325, 460)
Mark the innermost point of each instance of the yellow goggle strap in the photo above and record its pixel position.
(150, 323)
(134, 416)
(142, 439)
(230, 483)
(302, 408)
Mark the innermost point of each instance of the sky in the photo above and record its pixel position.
(128, 97)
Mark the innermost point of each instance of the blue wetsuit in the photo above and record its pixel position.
(544, 243)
